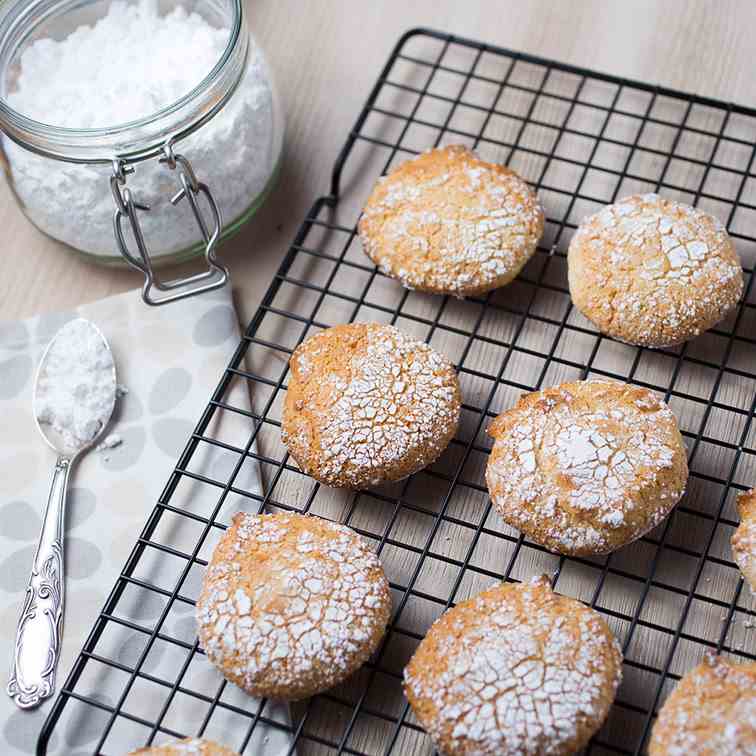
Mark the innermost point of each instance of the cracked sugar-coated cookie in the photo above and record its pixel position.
(186, 747)
(367, 404)
(744, 538)
(448, 222)
(711, 712)
(654, 272)
(586, 467)
(291, 605)
(518, 669)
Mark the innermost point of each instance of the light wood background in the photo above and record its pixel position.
(326, 55)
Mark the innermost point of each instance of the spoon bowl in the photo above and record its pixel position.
(73, 407)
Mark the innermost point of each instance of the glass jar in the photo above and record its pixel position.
(166, 180)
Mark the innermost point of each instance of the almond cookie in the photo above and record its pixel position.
(448, 222)
(711, 712)
(652, 271)
(291, 605)
(518, 669)
(586, 467)
(744, 539)
(186, 747)
(367, 404)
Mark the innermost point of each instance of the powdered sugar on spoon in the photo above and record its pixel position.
(74, 397)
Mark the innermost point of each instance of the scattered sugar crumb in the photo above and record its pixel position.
(110, 442)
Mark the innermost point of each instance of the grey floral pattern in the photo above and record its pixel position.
(128, 453)
(20, 521)
(14, 569)
(87, 722)
(170, 389)
(171, 434)
(215, 326)
(16, 372)
(21, 728)
(80, 505)
(13, 334)
(168, 385)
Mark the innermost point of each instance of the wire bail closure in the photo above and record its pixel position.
(127, 207)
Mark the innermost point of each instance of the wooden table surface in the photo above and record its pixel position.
(326, 55)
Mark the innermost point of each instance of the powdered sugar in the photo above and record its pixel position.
(301, 616)
(712, 711)
(188, 747)
(76, 388)
(513, 674)
(110, 442)
(571, 475)
(681, 233)
(744, 539)
(392, 407)
(130, 64)
(653, 271)
(448, 221)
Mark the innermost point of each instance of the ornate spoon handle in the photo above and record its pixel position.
(37, 647)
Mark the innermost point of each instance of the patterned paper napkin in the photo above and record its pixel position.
(170, 359)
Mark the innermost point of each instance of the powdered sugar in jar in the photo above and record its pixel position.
(110, 107)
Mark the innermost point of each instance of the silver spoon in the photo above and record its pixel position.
(77, 393)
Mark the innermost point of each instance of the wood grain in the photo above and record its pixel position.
(325, 55)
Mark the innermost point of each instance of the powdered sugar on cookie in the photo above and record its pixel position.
(367, 403)
(448, 222)
(586, 467)
(711, 711)
(186, 747)
(744, 539)
(515, 670)
(652, 271)
(291, 604)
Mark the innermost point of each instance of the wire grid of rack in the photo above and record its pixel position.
(583, 139)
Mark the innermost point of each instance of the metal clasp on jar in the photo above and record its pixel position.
(127, 207)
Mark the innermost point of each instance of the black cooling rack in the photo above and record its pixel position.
(583, 139)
